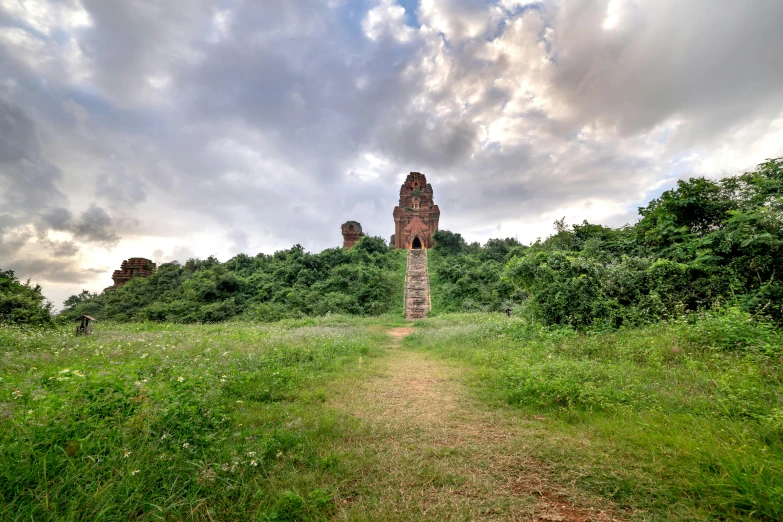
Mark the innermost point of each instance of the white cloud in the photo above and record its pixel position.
(387, 20)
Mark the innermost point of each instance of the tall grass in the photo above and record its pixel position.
(681, 420)
(157, 421)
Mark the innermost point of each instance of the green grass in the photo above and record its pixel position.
(678, 421)
(148, 421)
(673, 421)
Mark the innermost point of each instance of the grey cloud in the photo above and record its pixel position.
(57, 218)
(12, 242)
(55, 271)
(94, 225)
(30, 181)
(121, 188)
(272, 130)
(710, 63)
(64, 248)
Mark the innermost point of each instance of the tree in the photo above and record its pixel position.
(22, 303)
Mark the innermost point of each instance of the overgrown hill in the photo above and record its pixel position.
(365, 280)
(701, 244)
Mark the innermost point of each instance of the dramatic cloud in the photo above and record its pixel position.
(178, 129)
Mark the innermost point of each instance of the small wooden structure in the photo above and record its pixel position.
(84, 327)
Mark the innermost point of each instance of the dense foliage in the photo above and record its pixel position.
(468, 276)
(22, 303)
(365, 280)
(703, 243)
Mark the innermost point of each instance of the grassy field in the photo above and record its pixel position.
(173, 422)
(325, 419)
(671, 422)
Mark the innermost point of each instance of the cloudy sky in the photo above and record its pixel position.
(177, 129)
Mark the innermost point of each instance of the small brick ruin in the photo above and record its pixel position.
(130, 268)
(352, 231)
(416, 217)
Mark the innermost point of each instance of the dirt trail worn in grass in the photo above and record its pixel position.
(429, 451)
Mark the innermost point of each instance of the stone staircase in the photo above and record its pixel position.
(417, 285)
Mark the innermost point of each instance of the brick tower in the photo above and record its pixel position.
(416, 217)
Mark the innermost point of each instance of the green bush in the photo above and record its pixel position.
(700, 244)
(365, 280)
(22, 303)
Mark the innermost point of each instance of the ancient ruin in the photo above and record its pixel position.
(416, 217)
(130, 268)
(352, 231)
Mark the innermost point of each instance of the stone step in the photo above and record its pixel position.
(417, 285)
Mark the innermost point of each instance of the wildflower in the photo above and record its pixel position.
(137, 383)
(135, 471)
(222, 379)
(186, 445)
(164, 436)
(29, 412)
(144, 355)
(180, 379)
(251, 453)
(126, 454)
(254, 463)
(279, 454)
(163, 456)
(17, 394)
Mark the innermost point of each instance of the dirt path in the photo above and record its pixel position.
(429, 451)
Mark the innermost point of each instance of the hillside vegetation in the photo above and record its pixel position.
(365, 280)
(702, 244)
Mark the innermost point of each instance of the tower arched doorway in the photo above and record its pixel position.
(416, 243)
